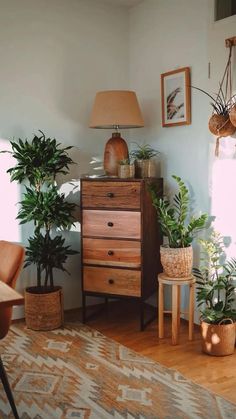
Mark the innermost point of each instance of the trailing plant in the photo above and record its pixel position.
(143, 152)
(175, 221)
(37, 165)
(215, 279)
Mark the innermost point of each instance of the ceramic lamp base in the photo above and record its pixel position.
(116, 149)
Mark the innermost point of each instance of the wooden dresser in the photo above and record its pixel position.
(120, 239)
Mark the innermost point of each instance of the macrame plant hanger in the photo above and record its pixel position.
(225, 92)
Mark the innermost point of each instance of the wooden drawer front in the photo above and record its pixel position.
(112, 281)
(111, 194)
(112, 252)
(123, 224)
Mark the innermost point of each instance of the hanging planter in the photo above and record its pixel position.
(232, 115)
(222, 122)
(221, 125)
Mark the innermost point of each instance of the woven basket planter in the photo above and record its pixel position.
(145, 168)
(218, 339)
(177, 262)
(43, 311)
(232, 116)
(126, 170)
(221, 125)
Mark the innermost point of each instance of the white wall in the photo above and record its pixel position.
(55, 55)
(166, 35)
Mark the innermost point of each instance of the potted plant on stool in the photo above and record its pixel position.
(38, 163)
(216, 292)
(180, 229)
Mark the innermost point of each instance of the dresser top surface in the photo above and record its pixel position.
(116, 179)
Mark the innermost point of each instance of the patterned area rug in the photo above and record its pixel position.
(76, 372)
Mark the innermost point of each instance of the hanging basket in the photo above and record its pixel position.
(221, 125)
(232, 116)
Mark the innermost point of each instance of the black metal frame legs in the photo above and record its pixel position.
(7, 388)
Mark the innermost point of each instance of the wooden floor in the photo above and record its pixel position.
(120, 321)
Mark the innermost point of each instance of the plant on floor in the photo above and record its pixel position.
(175, 221)
(215, 279)
(37, 165)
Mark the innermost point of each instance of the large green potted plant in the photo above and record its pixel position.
(216, 297)
(38, 163)
(180, 228)
(143, 158)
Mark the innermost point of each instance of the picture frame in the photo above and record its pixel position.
(175, 97)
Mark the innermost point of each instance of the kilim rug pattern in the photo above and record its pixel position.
(76, 372)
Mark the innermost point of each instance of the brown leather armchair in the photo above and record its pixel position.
(11, 262)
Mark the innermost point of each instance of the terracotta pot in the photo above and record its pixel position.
(144, 168)
(232, 116)
(126, 170)
(43, 311)
(177, 262)
(218, 339)
(221, 125)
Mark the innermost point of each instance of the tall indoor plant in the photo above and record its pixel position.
(216, 297)
(180, 229)
(37, 165)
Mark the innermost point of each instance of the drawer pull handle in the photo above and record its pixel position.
(110, 224)
(110, 253)
(110, 194)
(111, 281)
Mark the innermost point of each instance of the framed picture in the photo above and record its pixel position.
(175, 97)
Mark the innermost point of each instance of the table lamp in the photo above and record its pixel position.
(115, 109)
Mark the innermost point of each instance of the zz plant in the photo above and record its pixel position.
(37, 165)
(175, 221)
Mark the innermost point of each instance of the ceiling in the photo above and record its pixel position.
(127, 3)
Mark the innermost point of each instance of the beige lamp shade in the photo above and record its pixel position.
(116, 108)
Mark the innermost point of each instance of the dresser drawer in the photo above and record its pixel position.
(114, 224)
(112, 252)
(112, 281)
(111, 194)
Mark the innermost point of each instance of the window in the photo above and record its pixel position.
(10, 195)
(224, 8)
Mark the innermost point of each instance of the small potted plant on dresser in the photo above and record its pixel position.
(38, 163)
(180, 229)
(143, 158)
(216, 294)
(126, 168)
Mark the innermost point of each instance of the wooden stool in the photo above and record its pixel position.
(176, 284)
